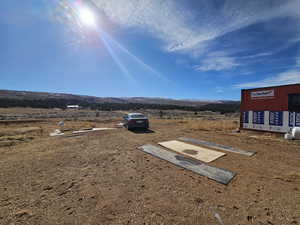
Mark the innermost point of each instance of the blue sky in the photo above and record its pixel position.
(154, 48)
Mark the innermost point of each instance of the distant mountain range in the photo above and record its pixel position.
(29, 95)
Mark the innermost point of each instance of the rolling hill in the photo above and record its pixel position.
(10, 98)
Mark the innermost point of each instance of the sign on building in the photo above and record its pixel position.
(262, 94)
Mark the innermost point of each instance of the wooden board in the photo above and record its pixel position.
(217, 146)
(197, 152)
(92, 130)
(220, 175)
(73, 136)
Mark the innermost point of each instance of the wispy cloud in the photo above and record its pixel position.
(288, 77)
(198, 31)
(219, 90)
(217, 63)
(183, 29)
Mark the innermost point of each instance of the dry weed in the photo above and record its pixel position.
(18, 131)
(212, 125)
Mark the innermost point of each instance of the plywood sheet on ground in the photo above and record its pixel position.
(197, 152)
(220, 175)
(217, 146)
(91, 130)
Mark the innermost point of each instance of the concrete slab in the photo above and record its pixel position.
(197, 152)
(217, 146)
(220, 175)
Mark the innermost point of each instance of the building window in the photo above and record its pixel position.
(291, 119)
(258, 117)
(276, 118)
(246, 117)
(297, 119)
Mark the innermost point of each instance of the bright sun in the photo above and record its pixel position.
(87, 17)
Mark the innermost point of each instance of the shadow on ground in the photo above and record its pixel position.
(142, 131)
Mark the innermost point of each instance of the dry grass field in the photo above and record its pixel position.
(222, 124)
(102, 178)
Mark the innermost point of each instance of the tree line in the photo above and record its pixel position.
(107, 106)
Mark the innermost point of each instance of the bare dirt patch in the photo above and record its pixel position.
(102, 178)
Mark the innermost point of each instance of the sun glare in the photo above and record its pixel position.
(87, 17)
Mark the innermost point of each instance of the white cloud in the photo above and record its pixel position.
(291, 76)
(262, 54)
(163, 19)
(298, 62)
(184, 30)
(288, 77)
(194, 30)
(219, 90)
(217, 63)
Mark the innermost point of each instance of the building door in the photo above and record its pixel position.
(294, 102)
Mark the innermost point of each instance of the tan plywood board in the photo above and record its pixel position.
(196, 152)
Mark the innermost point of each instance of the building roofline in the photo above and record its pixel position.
(271, 86)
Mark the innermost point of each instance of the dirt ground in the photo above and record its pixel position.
(102, 178)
